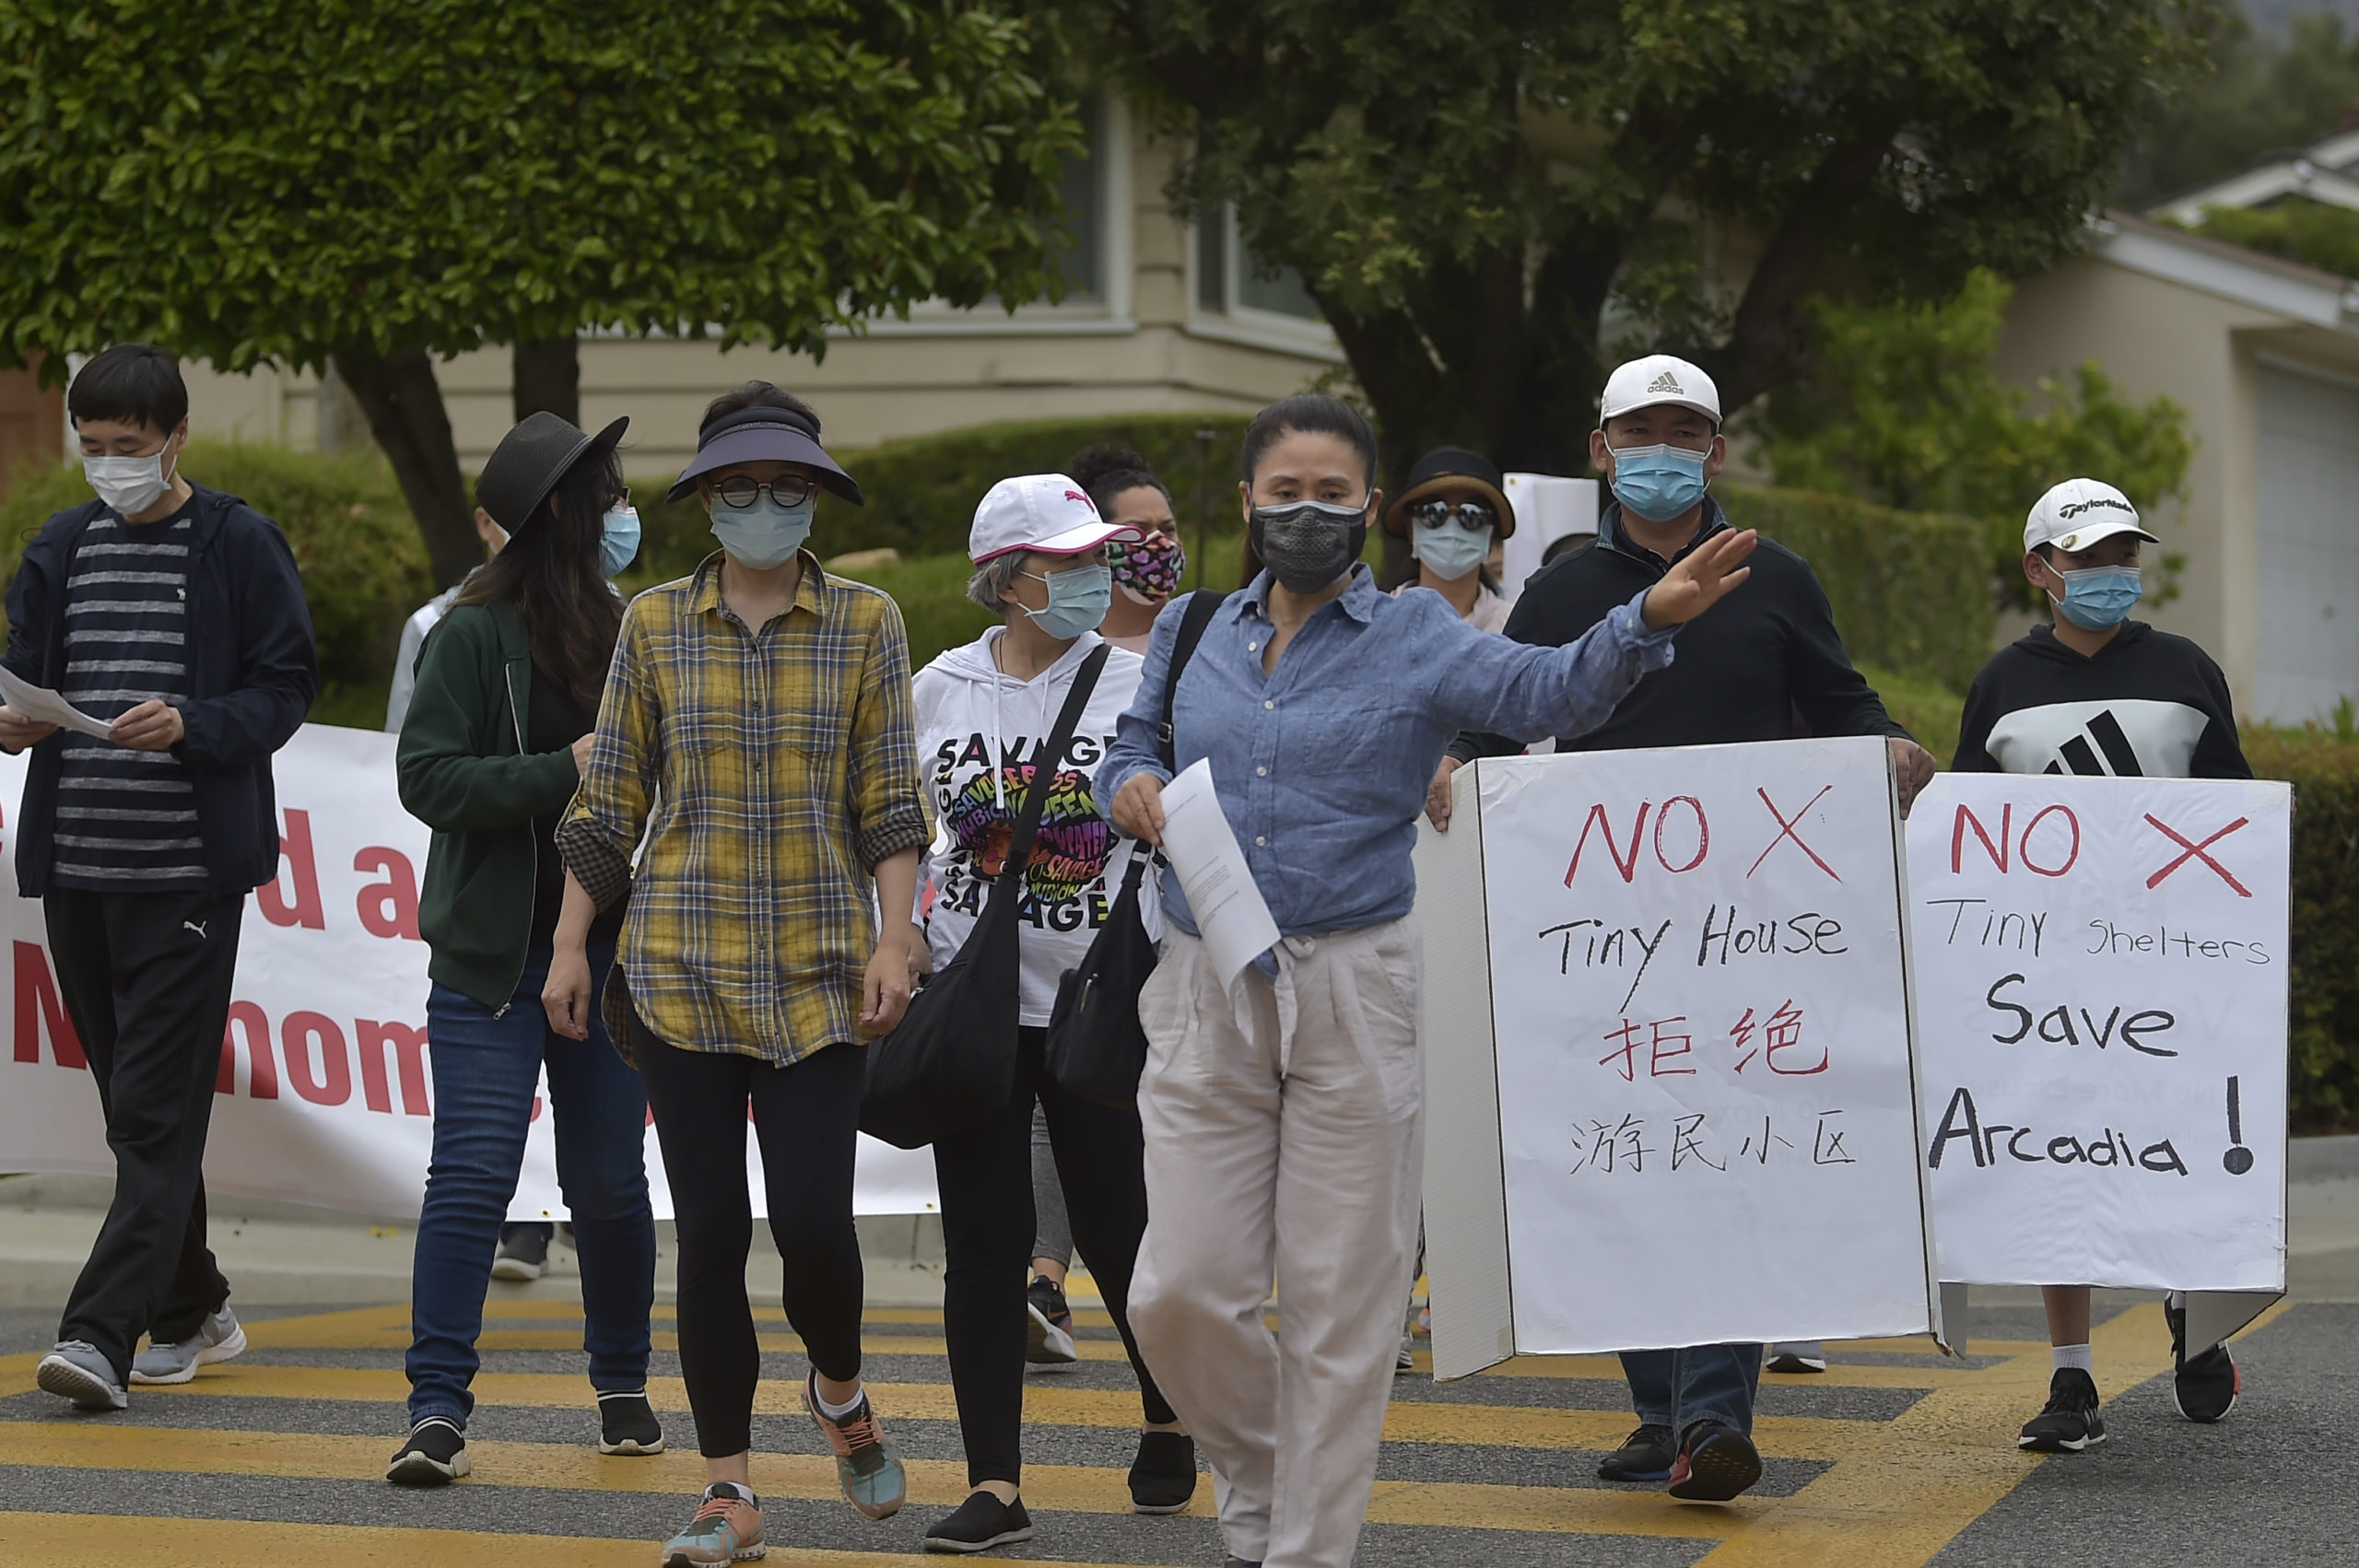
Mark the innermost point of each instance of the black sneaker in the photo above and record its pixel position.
(981, 1522)
(2204, 1389)
(627, 1425)
(1163, 1477)
(523, 1252)
(1715, 1464)
(1048, 1324)
(435, 1454)
(2071, 1421)
(1646, 1455)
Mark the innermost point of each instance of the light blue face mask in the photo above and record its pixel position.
(1451, 550)
(1078, 599)
(765, 535)
(1657, 483)
(618, 540)
(2097, 598)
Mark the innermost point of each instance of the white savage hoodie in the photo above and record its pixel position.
(979, 734)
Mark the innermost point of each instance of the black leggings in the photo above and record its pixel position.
(985, 1175)
(806, 1117)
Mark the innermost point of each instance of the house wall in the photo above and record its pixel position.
(2158, 339)
(1145, 348)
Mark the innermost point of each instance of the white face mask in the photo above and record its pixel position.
(130, 484)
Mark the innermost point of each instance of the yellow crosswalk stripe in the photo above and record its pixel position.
(937, 1483)
(68, 1541)
(1408, 1421)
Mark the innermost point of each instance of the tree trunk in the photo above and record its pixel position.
(404, 403)
(547, 376)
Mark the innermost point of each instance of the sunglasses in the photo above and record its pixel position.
(787, 490)
(1471, 516)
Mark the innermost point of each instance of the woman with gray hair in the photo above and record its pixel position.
(983, 712)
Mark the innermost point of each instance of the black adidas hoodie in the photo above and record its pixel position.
(2148, 703)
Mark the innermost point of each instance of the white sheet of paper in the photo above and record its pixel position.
(1230, 915)
(44, 705)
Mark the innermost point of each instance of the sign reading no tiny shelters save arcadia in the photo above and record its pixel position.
(2101, 989)
(1667, 1019)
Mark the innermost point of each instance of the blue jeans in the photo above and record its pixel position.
(1678, 1388)
(487, 1064)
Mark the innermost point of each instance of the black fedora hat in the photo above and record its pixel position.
(763, 433)
(1453, 466)
(531, 459)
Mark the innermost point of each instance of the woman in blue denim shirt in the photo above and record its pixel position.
(1283, 1120)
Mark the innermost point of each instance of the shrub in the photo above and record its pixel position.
(2323, 1014)
(1911, 591)
(921, 492)
(1926, 710)
(364, 568)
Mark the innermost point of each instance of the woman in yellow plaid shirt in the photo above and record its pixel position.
(756, 730)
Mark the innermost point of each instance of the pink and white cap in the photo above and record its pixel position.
(1047, 512)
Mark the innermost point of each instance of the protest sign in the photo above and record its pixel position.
(2101, 982)
(325, 1092)
(1669, 1068)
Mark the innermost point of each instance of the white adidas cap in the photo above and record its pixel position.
(2076, 514)
(1659, 379)
(1047, 512)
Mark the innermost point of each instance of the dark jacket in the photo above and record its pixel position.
(1746, 668)
(2147, 704)
(252, 672)
(464, 772)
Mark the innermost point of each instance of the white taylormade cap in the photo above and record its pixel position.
(1047, 513)
(1659, 379)
(2076, 514)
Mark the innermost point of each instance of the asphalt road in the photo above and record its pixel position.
(1896, 1457)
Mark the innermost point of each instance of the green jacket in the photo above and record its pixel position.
(465, 773)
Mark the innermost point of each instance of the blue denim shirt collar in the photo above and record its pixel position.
(1358, 600)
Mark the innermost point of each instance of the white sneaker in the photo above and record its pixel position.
(218, 1337)
(1407, 1360)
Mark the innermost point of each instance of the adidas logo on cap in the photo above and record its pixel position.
(1666, 383)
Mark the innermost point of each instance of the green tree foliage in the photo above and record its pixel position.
(389, 181)
(2254, 99)
(1904, 406)
(2296, 228)
(1489, 199)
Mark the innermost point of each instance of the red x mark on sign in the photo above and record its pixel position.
(2196, 852)
(1786, 831)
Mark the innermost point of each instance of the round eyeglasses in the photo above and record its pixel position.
(788, 490)
(1471, 516)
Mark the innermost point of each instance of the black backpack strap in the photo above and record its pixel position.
(1044, 767)
(1202, 604)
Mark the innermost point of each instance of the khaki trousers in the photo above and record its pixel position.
(1285, 1140)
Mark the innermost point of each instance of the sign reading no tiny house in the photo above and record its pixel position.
(2101, 974)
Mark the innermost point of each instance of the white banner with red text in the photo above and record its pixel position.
(2101, 992)
(325, 1094)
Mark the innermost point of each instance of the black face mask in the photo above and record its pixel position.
(1308, 544)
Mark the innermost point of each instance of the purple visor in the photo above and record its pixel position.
(764, 435)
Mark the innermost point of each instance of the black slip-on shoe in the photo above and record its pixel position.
(980, 1523)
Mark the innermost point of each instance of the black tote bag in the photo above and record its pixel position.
(951, 1062)
(1097, 1047)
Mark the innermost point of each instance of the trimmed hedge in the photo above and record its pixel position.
(2323, 1065)
(921, 492)
(364, 567)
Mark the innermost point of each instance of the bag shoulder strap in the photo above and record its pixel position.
(1052, 751)
(1202, 604)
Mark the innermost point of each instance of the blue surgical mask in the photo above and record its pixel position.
(618, 540)
(2097, 598)
(1451, 550)
(1657, 483)
(763, 535)
(1078, 599)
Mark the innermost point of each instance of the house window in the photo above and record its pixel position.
(1231, 281)
(1080, 253)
